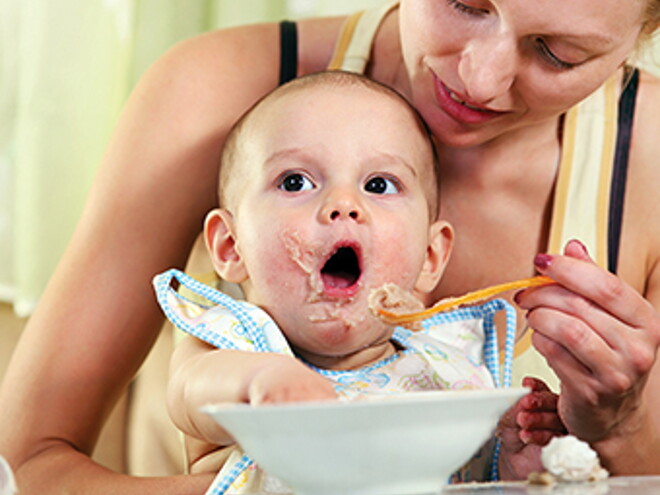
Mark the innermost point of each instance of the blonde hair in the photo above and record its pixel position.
(651, 20)
(649, 37)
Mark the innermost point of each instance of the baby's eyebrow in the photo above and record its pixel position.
(377, 160)
(391, 159)
(296, 154)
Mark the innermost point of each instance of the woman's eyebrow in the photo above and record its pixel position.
(591, 41)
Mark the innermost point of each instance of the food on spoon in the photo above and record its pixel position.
(391, 297)
(383, 301)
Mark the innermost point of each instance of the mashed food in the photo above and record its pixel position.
(393, 298)
(570, 459)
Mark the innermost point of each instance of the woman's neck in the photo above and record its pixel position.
(522, 161)
(498, 196)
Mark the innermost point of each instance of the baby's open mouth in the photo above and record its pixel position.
(342, 271)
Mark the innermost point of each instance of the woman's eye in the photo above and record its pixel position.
(467, 9)
(549, 56)
(295, 182)
(381, 185)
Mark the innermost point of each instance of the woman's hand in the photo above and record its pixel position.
(525, 428)
(600, 337)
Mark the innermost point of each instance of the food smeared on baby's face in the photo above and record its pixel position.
(332, 273)
(304, 254)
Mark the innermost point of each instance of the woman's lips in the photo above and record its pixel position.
(459, 109)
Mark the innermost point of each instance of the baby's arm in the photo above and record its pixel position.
(525, 428)
(201, 374)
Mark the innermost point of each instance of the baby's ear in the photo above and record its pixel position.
(441, 241)
(220, 237)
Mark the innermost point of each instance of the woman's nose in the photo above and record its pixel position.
(341, 205)
(488, 66)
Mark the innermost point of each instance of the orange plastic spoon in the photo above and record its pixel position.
(454, 302)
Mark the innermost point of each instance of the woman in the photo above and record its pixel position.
(494, 79)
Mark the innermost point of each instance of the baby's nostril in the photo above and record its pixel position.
(335, 214)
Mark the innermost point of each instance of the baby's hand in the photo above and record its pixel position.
(536, 414)
(525, 428)
(285, 379)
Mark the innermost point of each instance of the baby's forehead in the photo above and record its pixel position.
(282, 117)
(333, 116)
(291, 107)
(344, 95)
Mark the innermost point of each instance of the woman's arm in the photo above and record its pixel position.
(600, 332)
(601, 338)
(98, 318)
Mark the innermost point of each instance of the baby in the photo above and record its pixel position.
(328, 189)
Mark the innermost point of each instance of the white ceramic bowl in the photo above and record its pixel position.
(403, 444)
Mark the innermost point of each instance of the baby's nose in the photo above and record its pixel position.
(349, 213)
(342, 205)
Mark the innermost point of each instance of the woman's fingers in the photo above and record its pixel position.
(598, 343)
(593, 316)
(577, 273)
(572, 305)
(598, 334)
(567, 367)
(575, 249)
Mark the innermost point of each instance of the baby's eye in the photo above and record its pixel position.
(381, 185)
(295, 182)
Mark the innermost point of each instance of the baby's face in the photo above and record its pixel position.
(332, 204)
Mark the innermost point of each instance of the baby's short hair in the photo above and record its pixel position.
(230, 156)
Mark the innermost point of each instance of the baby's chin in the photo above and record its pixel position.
(338, 345)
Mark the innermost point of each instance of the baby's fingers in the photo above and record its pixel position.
(541, 398)
(539, 427)
(540, 420)
(535, 384)
(537, 437)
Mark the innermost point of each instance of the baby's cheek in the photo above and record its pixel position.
(398, 261)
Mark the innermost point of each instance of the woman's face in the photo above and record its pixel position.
(481, 68)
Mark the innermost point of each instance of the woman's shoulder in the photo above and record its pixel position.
(640, 242)
(648, 104)
(249, 54)
(645, 145)
(206, 82)
(235, 61)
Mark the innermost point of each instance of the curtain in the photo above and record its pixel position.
(66, 68)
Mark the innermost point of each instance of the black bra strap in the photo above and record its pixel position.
(288, 51)
(620, 169)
